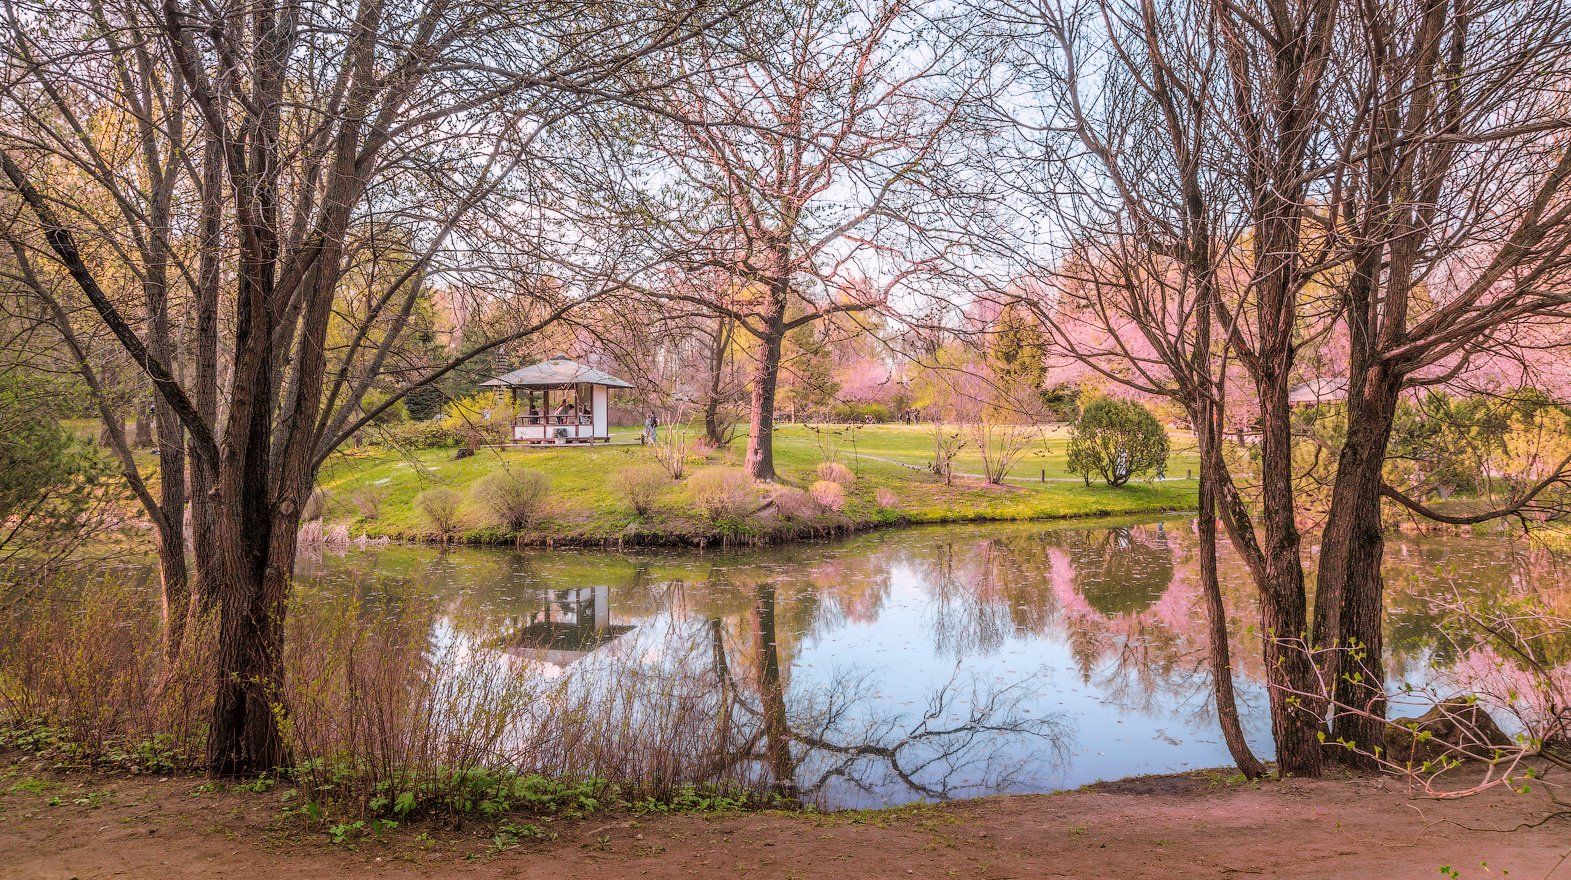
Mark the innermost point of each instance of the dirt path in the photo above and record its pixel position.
(1167, 827)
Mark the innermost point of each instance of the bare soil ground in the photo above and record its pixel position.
(1191, 826)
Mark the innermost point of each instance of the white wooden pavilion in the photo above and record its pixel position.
(558, 401)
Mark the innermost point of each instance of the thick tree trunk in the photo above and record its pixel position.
(246, 583)
(1350, 594)
(1216, 613)
(760, 462)
(253, 557)
(1290, 674)
(245, 737)
(142, 428)
(712, 429)
(249, 578)
(203, 480)
(771, 694)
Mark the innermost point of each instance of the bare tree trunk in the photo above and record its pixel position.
(175, 585)
(760, 462)
(248, 590)
(170, 521)
(248, 584)
(1216, 612)
(1283, 608)
(142, 428)
(720, 345)
(203, 480)
(170, 515)
(1350, 596)
(245, 737)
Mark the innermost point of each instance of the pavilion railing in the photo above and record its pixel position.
(577, 419)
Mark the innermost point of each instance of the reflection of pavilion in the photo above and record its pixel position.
(570, 625)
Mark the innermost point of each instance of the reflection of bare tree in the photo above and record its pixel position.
(810, 740)
(970, 612)
(939, 756)
(771, 693)
(1147, 659)
(987, 592)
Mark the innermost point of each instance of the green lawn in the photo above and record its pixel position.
(585, 508)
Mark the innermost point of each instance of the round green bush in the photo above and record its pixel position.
(1117, 440)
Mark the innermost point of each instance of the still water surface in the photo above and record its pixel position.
(1009, 658)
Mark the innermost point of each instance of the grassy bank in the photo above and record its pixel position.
(891, 486)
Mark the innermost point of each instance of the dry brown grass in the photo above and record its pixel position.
(382, 718)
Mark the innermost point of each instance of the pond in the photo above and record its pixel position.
(929, 662)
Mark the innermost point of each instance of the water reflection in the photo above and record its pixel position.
(566, 627)
(922, 663)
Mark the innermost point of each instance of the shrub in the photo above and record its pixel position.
(835, 472)
(829, 494)
(87, 678)
(422, 435)
(1116, 440)
(887, 498)
(383, 725)
(640, 486)
(396, 414)
(512, 498)
(793, 503)
(368, 501)
(480, 420)
(440, 508)
(671, 448)
(722, 493)
(1000, 445)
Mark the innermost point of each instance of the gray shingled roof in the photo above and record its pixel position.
(1327, 389)
(556, 371)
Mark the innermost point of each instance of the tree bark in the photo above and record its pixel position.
(1350, 594)
(1216, 612)
(169, 517)
(245, 737)
(720, 344)
(760, 461)
(203, 479)
(248, 590)
(1290, 674)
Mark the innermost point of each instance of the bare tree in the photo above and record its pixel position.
(270, 146)
(1449, 203)
(804, 173)
(1187, 151)
(1396, 174)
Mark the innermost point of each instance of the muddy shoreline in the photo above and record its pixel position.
(1204, 824)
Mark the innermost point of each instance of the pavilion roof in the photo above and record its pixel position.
(1324, 389)
(558, 370)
